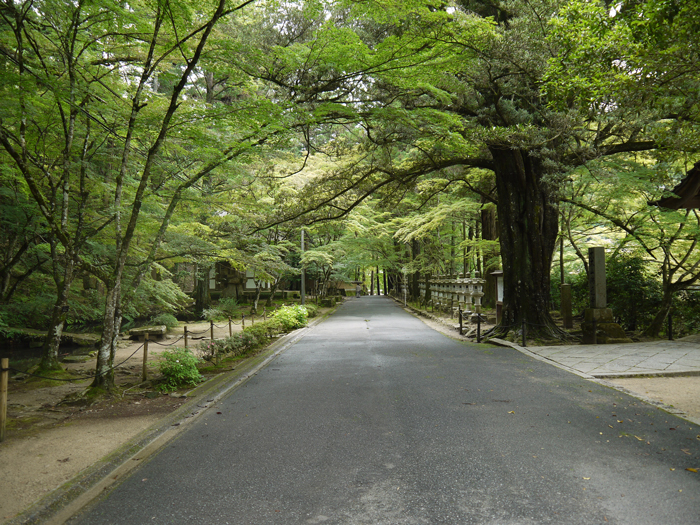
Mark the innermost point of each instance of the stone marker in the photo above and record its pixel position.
(596, 277)
(599, 326)
(566, 311)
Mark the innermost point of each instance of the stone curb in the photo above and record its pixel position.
(59, 505)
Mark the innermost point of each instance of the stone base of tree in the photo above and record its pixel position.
(607, 331)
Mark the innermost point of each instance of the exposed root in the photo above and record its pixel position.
(550, 332)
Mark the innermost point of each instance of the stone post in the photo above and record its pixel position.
(566, 313)
(599, 325)
(596, 277)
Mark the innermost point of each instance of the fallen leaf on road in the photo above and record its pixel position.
(687, 451)
(586, 478)
(690, 469)
(611, 426)
(512, 412)
(640, 439)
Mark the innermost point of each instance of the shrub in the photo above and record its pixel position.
(169, 320)
(208, 350)
(311, 310)
(228, 306)
(291, 317)
(179, 368)
(252, 337)
(632, 291)
(212, 314)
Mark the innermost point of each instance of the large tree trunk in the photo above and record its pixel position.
(528, 215)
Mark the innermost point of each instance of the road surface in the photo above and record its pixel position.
(374, 418)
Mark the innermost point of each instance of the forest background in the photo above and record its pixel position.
(419, 138)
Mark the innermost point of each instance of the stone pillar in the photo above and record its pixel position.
(566, 313)
(596, 277)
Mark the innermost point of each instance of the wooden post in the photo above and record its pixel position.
(211, 335)
(243, 320)
(461, 322)
(230, 330)
(264, 314)
(4, 374)
(185, 336)
(144, 370)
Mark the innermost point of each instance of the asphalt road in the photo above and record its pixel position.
(374, 418)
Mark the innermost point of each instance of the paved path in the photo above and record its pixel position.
(680, 357)
(373, 418)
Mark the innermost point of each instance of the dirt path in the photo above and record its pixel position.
(682, 393)
(48, 443)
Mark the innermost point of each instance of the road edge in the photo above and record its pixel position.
(65, 501)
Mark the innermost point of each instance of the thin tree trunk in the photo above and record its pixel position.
(104, 373)
(414, 283)
(258, 289)
(273, 291)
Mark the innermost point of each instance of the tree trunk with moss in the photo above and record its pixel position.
(528, 215)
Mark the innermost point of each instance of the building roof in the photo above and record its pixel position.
(686, 194)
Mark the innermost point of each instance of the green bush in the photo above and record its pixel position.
(169, 320)
(212, 314)
(312, 310)
(632, 291)
(291, 317)
(284, 320)
(228, 305)
(179, 368)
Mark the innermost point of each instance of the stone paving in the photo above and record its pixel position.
(665, 358)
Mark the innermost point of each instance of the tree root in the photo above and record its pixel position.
(549, 332)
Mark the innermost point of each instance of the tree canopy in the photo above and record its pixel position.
(426, 136)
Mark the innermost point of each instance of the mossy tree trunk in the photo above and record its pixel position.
(528, 215)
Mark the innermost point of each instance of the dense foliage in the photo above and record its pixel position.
(399, 138)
